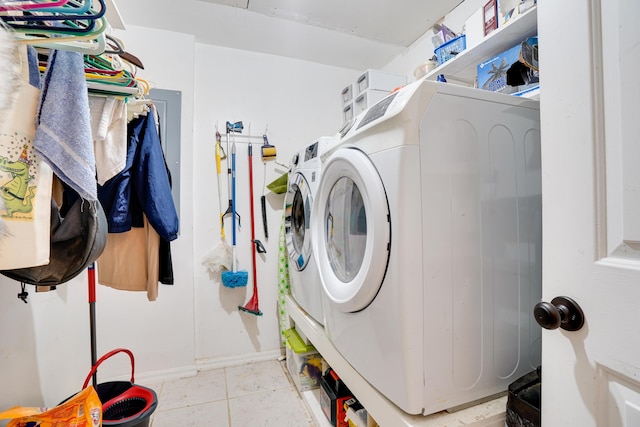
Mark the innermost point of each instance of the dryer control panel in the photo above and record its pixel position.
(378, 110)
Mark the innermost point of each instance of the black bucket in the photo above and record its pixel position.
(523, 403)
(124, 404)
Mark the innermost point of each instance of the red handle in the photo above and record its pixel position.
(92, 282)
(253, 228)
(94, 368)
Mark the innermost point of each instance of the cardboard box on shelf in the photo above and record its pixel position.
(506, 72)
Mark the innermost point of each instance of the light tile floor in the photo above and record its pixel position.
(259, 394)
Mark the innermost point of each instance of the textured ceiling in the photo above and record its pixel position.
(356, 34)
(398, 22)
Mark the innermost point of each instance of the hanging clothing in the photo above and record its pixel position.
(142, 186)
(63, 136)
(141, 215)
(109, 131)
(130, 261)
(165, 263)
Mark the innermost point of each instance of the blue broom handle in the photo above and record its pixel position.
(233, 190)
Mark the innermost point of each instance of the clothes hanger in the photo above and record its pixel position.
(106, 76)
(121, 51)
(91, 15)
(77, 6)
(92, 43)
(29, 5)
(145, 86)
(58, 6)
(114, 43)
(57, 24)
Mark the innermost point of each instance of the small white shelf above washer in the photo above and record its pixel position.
(386, 414)
(463, 69)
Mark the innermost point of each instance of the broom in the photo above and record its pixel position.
(234, 278)
(252, 305)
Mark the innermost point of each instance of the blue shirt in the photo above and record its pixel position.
(143, 185)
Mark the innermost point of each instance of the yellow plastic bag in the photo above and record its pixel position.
(82, 410)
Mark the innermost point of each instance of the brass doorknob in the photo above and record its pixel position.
(561, 312)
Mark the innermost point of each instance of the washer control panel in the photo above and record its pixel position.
(311, 152)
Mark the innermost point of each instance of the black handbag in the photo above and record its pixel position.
(77, 239)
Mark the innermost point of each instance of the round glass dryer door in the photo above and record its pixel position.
(351, 230)
(298, 203)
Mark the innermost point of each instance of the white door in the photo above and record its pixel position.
(590, 113)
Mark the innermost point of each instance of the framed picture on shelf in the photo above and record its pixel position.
(490, 16)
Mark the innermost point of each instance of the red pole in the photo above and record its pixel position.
(91, 274)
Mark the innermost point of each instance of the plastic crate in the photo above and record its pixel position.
(450, 49)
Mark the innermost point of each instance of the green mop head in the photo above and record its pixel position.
(234, 279)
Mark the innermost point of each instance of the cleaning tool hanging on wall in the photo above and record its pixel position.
(252, 305)
(234, 278)
(268, 154)
(268, 150)
(236, 127)
(219, 258)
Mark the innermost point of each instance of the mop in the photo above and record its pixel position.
(234, 278)
(252, 305)
(220, 258)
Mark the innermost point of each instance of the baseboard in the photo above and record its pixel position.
(241, 359)
(155, 377)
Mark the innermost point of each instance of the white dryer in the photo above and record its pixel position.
(304, 175)
(427, 236)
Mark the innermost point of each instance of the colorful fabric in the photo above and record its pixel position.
(283, 282)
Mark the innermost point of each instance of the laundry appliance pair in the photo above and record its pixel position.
(426, 233)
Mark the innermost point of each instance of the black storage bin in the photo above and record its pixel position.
(523, 401)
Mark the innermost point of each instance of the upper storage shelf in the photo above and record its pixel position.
(462, 69)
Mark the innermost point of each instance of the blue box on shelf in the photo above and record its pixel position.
(492, 73)
(450, 49)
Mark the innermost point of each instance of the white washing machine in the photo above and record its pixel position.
(427, 236)
(304, 175)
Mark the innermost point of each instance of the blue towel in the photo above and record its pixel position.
(34, 72)
(63, 134)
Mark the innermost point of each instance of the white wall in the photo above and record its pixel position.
(295, 101)
(45, 345)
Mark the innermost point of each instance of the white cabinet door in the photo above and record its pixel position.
(590, 110)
